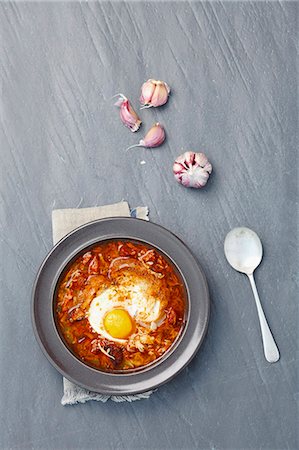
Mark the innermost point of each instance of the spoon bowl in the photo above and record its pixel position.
(243, 249)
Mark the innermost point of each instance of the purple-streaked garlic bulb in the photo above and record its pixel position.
(127, 114)
(154, 93)
(153, 138)
(192, 169)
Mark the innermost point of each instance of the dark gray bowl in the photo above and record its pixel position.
(172, 362)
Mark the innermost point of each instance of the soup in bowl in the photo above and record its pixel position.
(120, 306)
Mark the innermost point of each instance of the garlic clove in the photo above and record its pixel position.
(154, 93)
(192, 169)
(127, 114)
(160, 95)
(153, 138)
(147, 91)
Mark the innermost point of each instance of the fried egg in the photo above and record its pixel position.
(114, 312)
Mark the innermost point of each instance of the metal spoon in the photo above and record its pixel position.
(243, 250)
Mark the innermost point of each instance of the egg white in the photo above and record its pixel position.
(135, 298)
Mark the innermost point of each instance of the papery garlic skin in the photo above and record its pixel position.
(127, 114)
(154, 93)
(154, 137)
(192, 169)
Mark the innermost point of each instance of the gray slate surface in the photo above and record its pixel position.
(232, 69)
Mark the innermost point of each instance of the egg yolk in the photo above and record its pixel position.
(118, 323)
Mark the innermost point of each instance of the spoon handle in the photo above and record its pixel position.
(270, 348)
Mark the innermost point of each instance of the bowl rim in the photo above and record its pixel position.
(165, 368)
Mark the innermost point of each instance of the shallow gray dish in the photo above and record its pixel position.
(172, 362)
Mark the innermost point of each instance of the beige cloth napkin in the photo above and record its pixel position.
(63, 222)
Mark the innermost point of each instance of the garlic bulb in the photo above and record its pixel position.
(154, 93)
(192, 169)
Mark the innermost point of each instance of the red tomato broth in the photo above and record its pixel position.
(109, 264)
